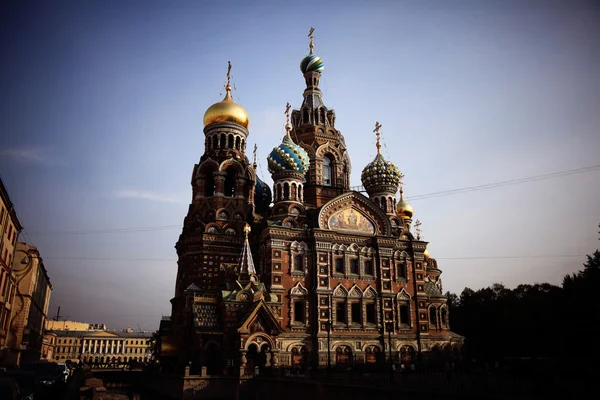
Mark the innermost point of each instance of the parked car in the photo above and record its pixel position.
(26, 380)
(49, 374)
(65, 370)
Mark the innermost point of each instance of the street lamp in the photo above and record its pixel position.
(328, 328)
(389, 326)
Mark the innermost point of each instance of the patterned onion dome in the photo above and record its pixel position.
(311, 63)
(380, 172)
(288, 156)
(262, 195)
(227, 111)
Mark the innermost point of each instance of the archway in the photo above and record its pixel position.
(407, 354)
(343, 356)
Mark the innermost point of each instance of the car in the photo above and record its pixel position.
(49, 374)
(26, 380)
(65, 370)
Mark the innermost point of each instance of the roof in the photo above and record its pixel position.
(9, 206)
(103, 334)
(433, 290)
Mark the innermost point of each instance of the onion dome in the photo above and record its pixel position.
(262, 195)
(311, 63)
(226, 111)
(288, 156)
(426, 254)
(403, 209)
(380, 173)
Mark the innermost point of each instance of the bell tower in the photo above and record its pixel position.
(313, 128)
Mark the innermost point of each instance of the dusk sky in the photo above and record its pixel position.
(102, 103)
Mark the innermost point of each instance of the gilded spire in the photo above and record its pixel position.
(311, 37)
(378, 134)
(246, 263)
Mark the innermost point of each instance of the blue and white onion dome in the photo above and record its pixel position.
(381, 172)
(288, 156)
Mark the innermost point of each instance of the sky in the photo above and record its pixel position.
(102, 103)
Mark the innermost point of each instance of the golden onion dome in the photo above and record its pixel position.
(403, 209)
(426, 254)
(227, 111)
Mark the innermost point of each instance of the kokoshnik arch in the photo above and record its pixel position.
(327, 258)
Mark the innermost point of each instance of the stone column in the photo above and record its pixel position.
(219, 183)
(243, 361)
(274, 359)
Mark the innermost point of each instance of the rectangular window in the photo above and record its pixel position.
(401, 270)
(368, 267)
(354, 266)
(404, 315)
(371, 315)
(340, 312)
(299, 311)
(356, 319)
(339, 265)
(298, 265)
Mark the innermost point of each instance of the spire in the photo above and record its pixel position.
(377, 133)
(418, 229)
(228, 87)
(288, 126)
(254, 157)
(246, 263)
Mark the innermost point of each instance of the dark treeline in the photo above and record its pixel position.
(556, 325)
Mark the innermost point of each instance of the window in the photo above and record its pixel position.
(299, 312)
(327, 171)
(229, 190)
(340, 312)
(404, 314)
(368, 267)
(401, 270)
(209, 183)
(371, 315)
(432, 315)
(355, 311)
(353, 266)
(298, 264)
(339, 265)
(444, 316)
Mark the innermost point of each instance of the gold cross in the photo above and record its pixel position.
(287, 113)
(254, 153)
(377, 133)
(228, 72)
(311, 37)
(418, 229)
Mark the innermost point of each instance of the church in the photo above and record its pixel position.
(310, 272)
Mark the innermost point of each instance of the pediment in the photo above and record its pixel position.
(354, 213)
(102, 334)
(260, 319)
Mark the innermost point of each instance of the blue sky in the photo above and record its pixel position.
(101, 123)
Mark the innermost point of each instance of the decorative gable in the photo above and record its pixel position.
(260, 319)
(353, 212)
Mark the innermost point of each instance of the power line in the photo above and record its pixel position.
(412, 198)
(437, 258)
(115, 230)
(504, 183)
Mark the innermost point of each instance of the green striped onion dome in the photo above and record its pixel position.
(311, 63)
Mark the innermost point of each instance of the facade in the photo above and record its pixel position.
(340, 276)
(72, 326)
(101, 346)
(30, 306)
(9, 232)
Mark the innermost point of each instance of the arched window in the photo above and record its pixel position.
(237, 142)
(444, 316)
(230, 183)
(401, 269)
(404, 314)
(286, 191)
(215, 140)
(298, 264)
(327, 171)
(354, 266)
(230, 142)
(339, 265)
(432, 316)
(299, 311)
(209, 184)
(223, 139)
(305, 116)
(243, 145)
